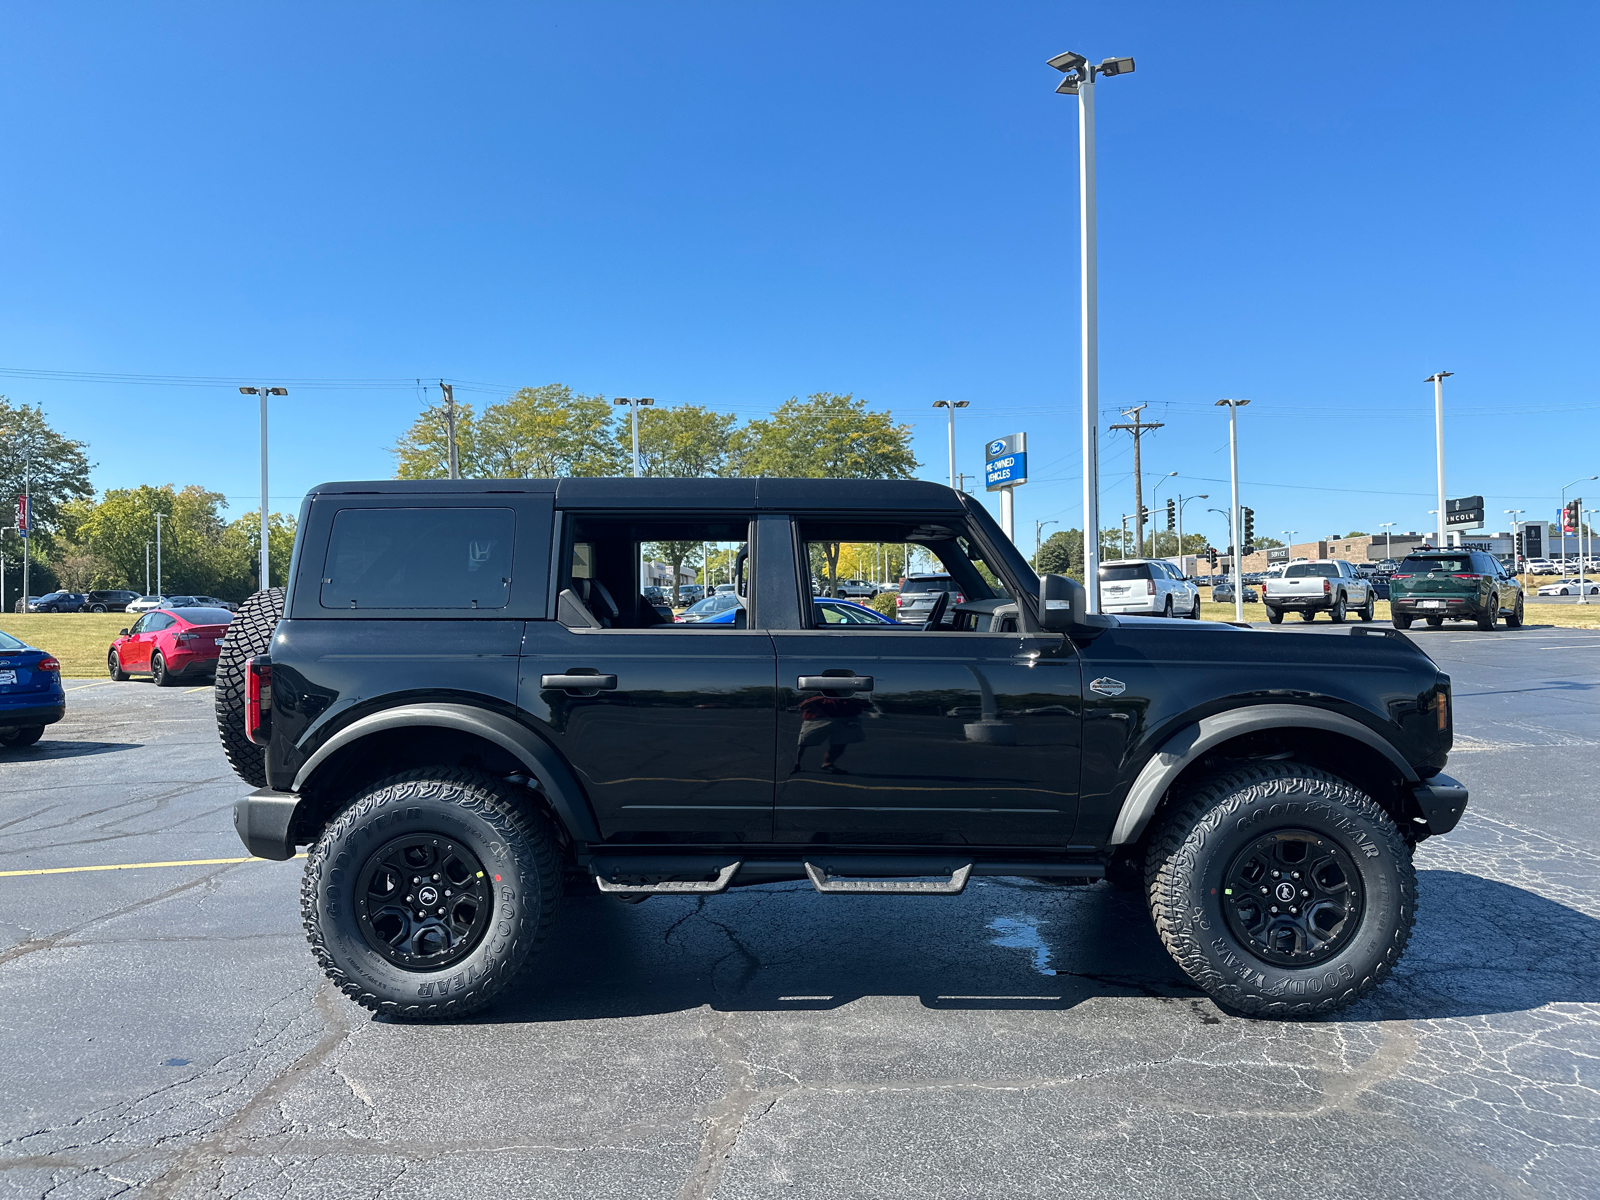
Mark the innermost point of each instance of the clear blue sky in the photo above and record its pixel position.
(1312, 206)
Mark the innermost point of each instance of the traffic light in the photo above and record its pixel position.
(1211, 556)
(1519, 546)
(1249, 528)
(1144, 513)
(1569, 516)
(1172, 516)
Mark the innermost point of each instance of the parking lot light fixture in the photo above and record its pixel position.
(633, 407)
(951, 406)
(1233, 407)
(1584, 550)
(1437, 379)
(1386, 527)
(266, 563)
(1079, 81)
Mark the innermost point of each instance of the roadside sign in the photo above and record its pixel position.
(1278, 554)
(24, 516)
(1465, 513)
(1533, 539)
(1005, 462)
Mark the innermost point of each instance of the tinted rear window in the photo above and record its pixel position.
(1421, 566)
(926, 585)
(397, 558)
(206, 616)
(1307, 570)
(1130, 571)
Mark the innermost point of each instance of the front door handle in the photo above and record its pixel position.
(834, 683)
(579, 682)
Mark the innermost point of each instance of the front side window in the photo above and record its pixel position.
(419, 558)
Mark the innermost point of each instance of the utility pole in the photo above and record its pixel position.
(1138, 428)
(450, 425)
(159, 516)
(1234, 531)
(961, 481)
(1038, 531)
(266, 564)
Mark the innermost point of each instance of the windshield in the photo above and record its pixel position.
(1421, 566)
(1127, 571)
(1309, 570)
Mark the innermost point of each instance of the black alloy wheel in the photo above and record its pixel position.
(159, 675)
(1490, 617)
(1514, 621)
(1292, 897)
(422, 902)
(114, 667)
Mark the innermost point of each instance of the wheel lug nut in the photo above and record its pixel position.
(1277, 874)
(436, 879)
(1303, 892)
(1294, 875)
(416, 879)
(447, 891)
(408, 900)
(1295, 911)
(1263, 891)
(441, 912)
(1274, 908)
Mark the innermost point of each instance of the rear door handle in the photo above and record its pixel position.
(577, 682)
(834, 683)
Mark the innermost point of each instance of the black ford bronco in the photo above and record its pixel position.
(465, 706)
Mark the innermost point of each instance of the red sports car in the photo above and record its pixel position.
(170, 644)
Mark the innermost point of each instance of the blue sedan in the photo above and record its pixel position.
(828, 612)
(30, 692)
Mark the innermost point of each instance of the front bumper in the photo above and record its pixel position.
(35, 714)
(1441, 800)
(264, 821)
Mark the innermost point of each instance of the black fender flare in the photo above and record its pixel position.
(527, 747)
(1193, 740)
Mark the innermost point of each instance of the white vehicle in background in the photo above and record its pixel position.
(1150, 587)
(1328, 583)
(1570, 587)
(1542, 566)
(855, 589)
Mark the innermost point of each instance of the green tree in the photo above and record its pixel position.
(56, 467)
(238, 560)
(545, 432)
(116, 529)
(826, 436)
(1061, 554)
(1352, 533)
(686, 442)
(423, 451)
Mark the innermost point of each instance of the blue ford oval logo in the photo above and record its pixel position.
(996, 447)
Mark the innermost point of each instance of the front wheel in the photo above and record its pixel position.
(1514, 621)
(425, 896)
(1401, 620)
(1194, 613)
(114, 667)
(1434, 622)
(1369, 610)
(97, 608)
(1308, 615)
(1282, 890)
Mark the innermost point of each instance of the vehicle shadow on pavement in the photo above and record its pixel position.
(47, 749)
(1007, 944)
(1482, 947)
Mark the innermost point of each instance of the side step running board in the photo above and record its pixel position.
(673, 887)
(887, 887)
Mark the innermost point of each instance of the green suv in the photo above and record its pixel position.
(1454, 585)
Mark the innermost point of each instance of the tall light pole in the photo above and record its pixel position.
(633, 406)
(266, 563)
(1583, 553)
(1288, 539)
(147, 569)
(1437, 379)
(1038, 531)
(1153, 509)
(1387, 538)
(159, 517)
(1079, 82)
(1182, 500)
(1561, 521)
(951, 406)
(1233, 407)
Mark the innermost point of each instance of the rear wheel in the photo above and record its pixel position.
(97, 608)
(159, 675)
(18, 738)
(249, 634)
(1336, 613)
(1491, 615)
(1194, 613)
(1282, 890)
(432, 917)
(1274, 615)
(114, 667)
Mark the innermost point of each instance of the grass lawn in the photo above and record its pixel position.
(79, 640)
(1567, 616)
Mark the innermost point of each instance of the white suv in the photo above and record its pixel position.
(1149, 587)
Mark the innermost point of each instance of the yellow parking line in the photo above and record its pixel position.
(204, 687)
(188, 862)
(96, 683)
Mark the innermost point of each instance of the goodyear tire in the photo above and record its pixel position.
(1219, 872)
(425, 896)
(249, 634)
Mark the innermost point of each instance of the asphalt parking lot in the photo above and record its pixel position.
(168, 1035)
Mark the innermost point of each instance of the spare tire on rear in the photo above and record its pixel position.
(249, 634)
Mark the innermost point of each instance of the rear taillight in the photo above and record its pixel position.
(258, 700)
(188, 637)
(1461, 576)
(960, 599)
(1441, 706)
(1399, 577)
(1150, 587)
(48, 663)
(1327, 587)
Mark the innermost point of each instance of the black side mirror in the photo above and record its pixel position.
(1064, 607)
(123, 633)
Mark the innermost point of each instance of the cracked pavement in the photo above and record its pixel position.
(168, 1035)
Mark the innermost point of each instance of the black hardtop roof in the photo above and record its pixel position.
(842, 495)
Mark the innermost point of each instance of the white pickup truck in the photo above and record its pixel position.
(1327, 583)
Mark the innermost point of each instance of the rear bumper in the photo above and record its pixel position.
(1299, 603)
(1428, 605)
(1441, 800)
(265, 822)
(34, 714)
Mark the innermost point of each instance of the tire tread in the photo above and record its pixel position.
(249, 634)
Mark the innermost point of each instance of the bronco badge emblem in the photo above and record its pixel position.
(1107, 686)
